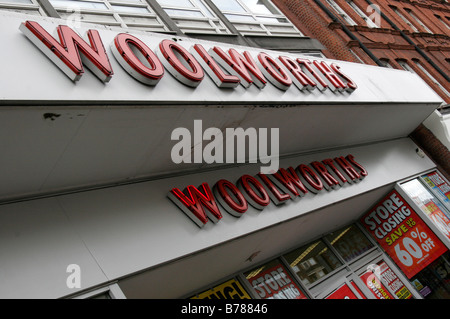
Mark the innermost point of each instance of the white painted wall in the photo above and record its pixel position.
(117, 231)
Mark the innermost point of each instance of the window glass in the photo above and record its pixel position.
(256, 17)
(134, 14)
(429, 204)
(256, 6)
(17, 1)
(78, 4)
(312, 262)
(186, 13)
(193, 16)
(176, 3)
(230, 5)
(350, 242)
(272, 281)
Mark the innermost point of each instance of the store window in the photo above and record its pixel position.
(312, 262)
(383, 283)
(193, 16)
(230, 289)
(431, 193)
(22, 6)
(272, 281)
(434, 281)
(133, 14)
(256, 17)
(349, 242)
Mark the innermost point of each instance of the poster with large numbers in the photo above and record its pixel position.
(403, 234)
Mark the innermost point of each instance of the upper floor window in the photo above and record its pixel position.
(23, 6)
(341, 12)
(135, 14)
(256, 17)
(193, 16)
(386, 63)
(432, 78)
(404, 19)
(361, 13)
(418, 20)
(442, 21)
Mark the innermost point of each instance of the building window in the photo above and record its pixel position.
(358, 11)
(404, 19)
(443, 22)
(23, 6)
(432, 78)
(418, 20)
(341, 12)
(134, 14)
(193, 16)
(386, 63)
(256, 17)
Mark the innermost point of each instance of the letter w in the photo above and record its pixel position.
(66, 53)
(194, 203)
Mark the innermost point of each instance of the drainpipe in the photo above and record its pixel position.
(419, 50)
(348, 32)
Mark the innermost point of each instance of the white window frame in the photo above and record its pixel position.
(258, 26)
(14, 6)
(409, 11)
(432, 78)
(442, 21)
(208, 23)
(341, 12)
(118, 18)
(359, 12)
(412, 26)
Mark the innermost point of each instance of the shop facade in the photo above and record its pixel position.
(94, 204)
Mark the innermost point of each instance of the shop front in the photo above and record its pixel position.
(121, 180)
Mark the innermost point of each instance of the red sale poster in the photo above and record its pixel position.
(403, 234)
(275, 283)
(343, 292)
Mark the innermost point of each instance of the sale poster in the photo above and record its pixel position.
(231, 289)
(375, 286)
(275, 283)
(343, 292)
(403, 234)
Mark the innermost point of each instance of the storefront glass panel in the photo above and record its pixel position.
(350, 242)
(429, 204)
(433, 282)
(272, 281)
(312, 262)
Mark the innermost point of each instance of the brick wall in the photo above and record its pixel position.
(437, 151)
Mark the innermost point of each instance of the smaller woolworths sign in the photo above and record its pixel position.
(202, 203)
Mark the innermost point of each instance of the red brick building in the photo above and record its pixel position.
(410, 35)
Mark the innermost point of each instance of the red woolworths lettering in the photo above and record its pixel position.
(242, 66)
(169, 51)
(72, 51)
(194, 203)
(122, 48)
